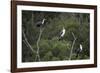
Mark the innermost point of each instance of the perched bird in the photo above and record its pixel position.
(41, 23)
(80, 47)
(62, 33)
(79, 50)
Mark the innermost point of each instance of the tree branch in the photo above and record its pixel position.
(28, 42)
(38, 48)
(72, 46)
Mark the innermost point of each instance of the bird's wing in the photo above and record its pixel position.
(38, 23)
(61, 33)
(80, 46)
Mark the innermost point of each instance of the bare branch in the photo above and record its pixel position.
(25, 43)
(37, 55)
(72, 46)
(28, 43)
(73, 35)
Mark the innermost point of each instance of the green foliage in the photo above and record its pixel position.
(51, 49)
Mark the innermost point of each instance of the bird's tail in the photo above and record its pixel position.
(60, 38)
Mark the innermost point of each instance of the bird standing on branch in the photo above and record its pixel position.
(41, 23)
(79, 50)
(62, 33)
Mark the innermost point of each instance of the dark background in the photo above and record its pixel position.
(51, 49)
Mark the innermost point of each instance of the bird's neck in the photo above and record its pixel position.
(63, 30)
(43, 21)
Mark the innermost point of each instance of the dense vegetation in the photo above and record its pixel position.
(50, 48)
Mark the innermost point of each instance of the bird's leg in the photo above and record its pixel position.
(77, 56)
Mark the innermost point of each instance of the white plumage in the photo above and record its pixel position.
(79, 50)
(41, 23)
(63, 32)
(80, 47)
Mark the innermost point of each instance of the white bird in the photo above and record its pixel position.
(62, 33)
(79, 50)
(40, 23)
(81, 47)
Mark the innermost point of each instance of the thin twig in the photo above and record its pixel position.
(73, 35)
(72, 46)
(28, 43)
(25, 43)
